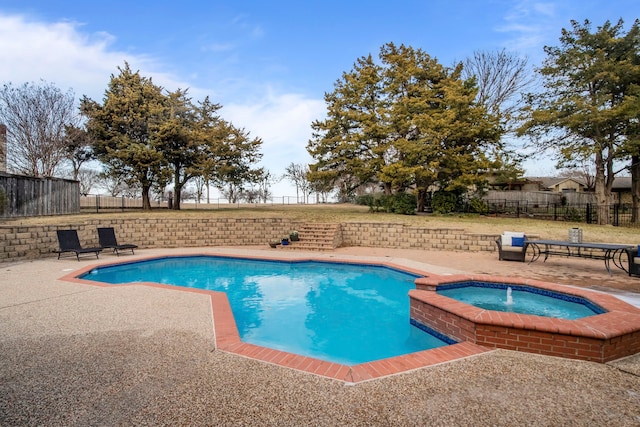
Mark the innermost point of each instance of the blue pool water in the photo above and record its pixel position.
(524, 300)
(343, 313)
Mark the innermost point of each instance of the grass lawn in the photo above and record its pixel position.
(352, 213)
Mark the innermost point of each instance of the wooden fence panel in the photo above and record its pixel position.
(24, 196)
(542, 197)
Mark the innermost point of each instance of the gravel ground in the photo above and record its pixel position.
(78, 355)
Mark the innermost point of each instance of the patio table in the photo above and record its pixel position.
(604, 251)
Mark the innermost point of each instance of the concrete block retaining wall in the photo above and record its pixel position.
(19, 242)
(401, 236)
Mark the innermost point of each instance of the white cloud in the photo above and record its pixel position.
(283, 122)
(530, 23)
(61, 54)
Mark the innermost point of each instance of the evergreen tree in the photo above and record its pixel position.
(409, 124)
(351, 144)
(589, 106)
(125, 129)
(228, 154)
(177, 140)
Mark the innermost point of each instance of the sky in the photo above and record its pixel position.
(269, 63)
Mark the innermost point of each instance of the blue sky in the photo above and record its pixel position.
(268, 63)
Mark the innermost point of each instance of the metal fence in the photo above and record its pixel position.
(619, 214)
(99, 203)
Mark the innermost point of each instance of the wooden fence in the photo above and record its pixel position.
(24, 196)
(542, 197)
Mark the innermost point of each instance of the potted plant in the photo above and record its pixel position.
(274, 243)
(285, 240)
(293, 236)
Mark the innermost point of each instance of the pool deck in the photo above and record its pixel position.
(159, 355)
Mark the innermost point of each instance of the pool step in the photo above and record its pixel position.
(317, 237)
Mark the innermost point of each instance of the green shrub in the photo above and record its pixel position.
(444, 202)
(403, 203)
(365, 200)
(573, 215)
(400, 203)
(478, 206)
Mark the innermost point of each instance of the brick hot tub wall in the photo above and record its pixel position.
(599, 338)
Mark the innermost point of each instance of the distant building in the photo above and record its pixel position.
(559, 185)
(621, 190)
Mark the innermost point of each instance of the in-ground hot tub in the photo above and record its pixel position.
(610, 333)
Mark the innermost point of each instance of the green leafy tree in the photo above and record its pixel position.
(589, 104)
(177, 140)
(125, 127)
(229, 153)
(409, 123)
(351, 145)
(440, 134)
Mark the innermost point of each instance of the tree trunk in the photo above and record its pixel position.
(387, 188)
(602, 200)
(146, 203)
(177, 196)
(635, 189)
(177, 189)
(421, 198)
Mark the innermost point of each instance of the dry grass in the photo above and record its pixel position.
(352, 213)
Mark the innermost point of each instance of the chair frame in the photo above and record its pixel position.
(69, 242)
(512, 255)
(634, 269)
(107, 238)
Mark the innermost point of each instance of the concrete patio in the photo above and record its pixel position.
(74, 354)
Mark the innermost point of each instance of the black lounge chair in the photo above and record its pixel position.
(107, 237)
(69, 242)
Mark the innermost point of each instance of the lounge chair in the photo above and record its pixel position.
(512, 246)
(634, 261)
(107, 237)
(69, 242)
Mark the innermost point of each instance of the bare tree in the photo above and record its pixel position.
(265, 183)
(297, 174)
(583, 170)
(232, 192)
(87, 179)
(79, 150)
(117, 186)
(501, 77)
(251, 195)
(36, 117)
(199, 184)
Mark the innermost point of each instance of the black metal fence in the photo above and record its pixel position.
(100, 203)
(619, 214)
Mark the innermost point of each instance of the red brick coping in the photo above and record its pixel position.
(228, 339)
(599, 338)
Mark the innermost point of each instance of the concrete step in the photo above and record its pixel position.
(317, 237)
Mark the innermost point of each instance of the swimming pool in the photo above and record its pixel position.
(338, 312)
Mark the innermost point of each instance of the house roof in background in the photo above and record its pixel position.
(619, 183)
(550, 182)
